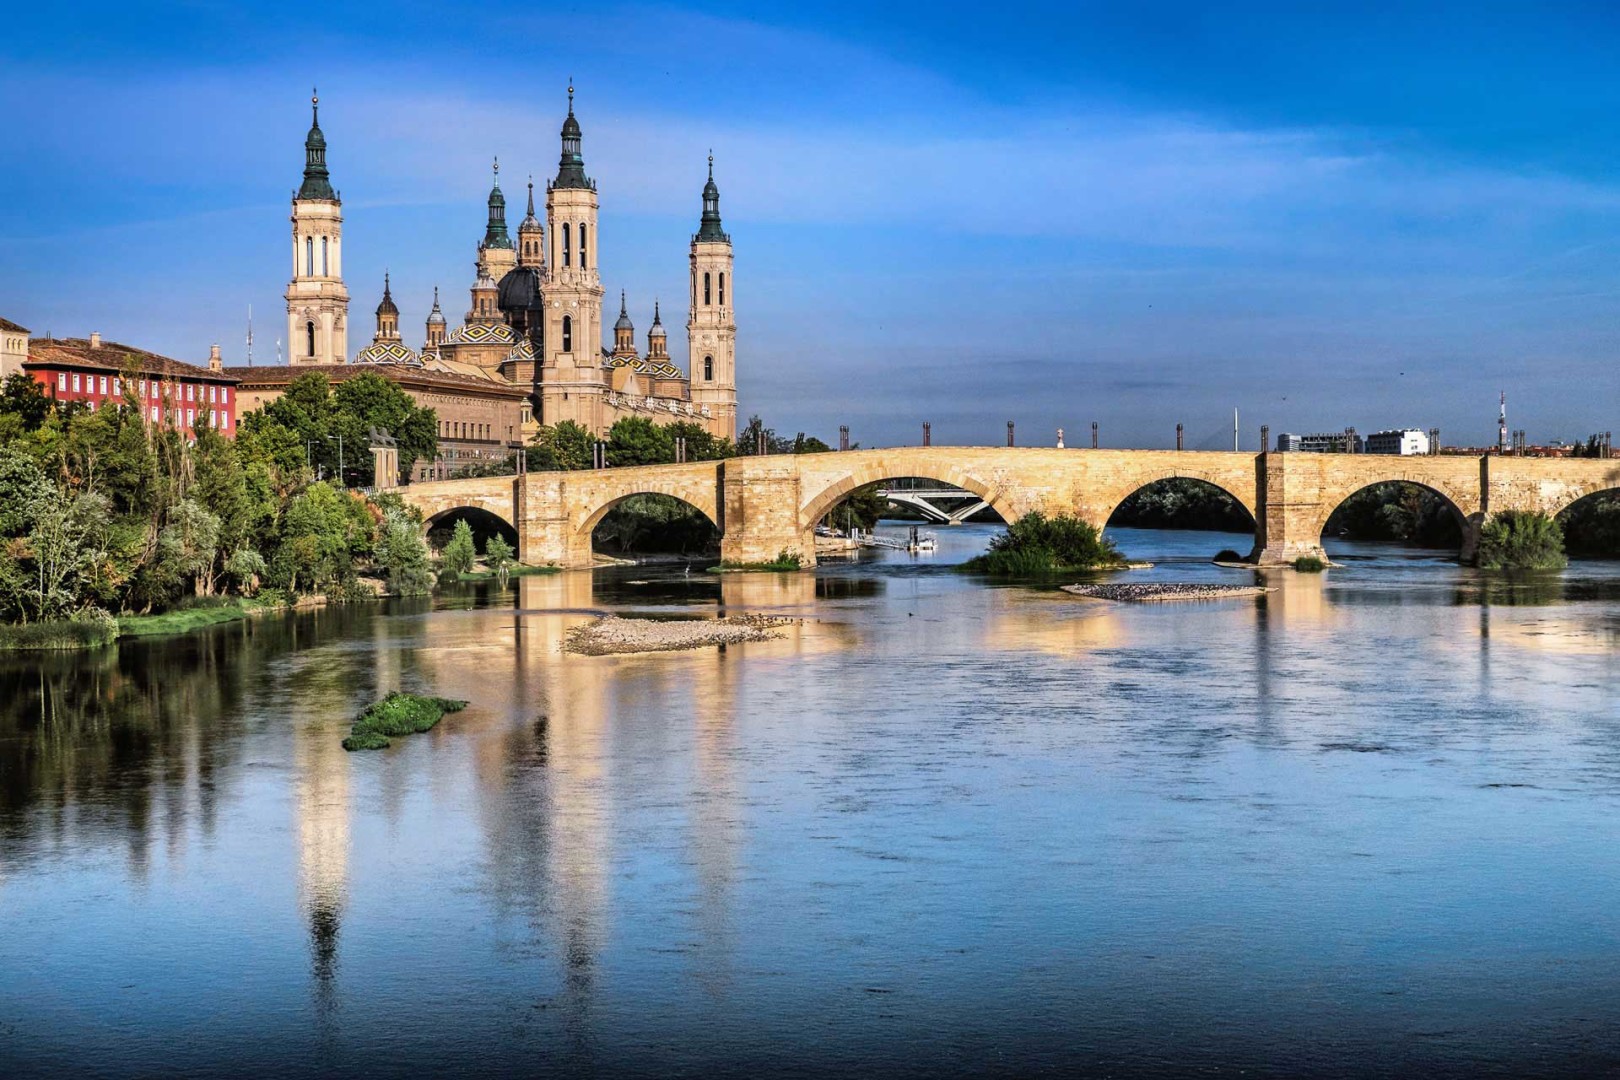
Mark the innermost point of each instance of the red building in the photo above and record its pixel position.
(102, 374)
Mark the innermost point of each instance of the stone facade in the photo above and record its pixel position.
(13, 348)
(765, 505)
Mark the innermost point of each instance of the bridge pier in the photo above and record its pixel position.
(760, 511)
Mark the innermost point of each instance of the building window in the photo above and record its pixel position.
(75, 382)
(708, 369)
(568, 333)
(61, 380)
(309, 256)
(224, 395)
(191, 417)
(309, 331)
(324, 271)
(103, 389)
(118, 386)
(582, 261)
(722, 288)
(565, 243)
(191, 392)
(707, 295)
(154, 414)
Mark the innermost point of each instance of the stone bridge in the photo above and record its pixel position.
(765, 505)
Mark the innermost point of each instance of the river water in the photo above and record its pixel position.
(1362, 826)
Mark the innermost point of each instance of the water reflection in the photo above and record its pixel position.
(1061, 830)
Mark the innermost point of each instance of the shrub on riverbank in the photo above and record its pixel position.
(1310, 564)
(1036, 544)
(1228, 555)
(1521, 540)
(193, 616)
(85, 630)
(397, 714)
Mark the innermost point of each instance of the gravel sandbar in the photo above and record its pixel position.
(1167, 591)
(610, 634)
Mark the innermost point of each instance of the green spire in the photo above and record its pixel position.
(495, 232)
(709, 229)
(317, 182)
(571, 168)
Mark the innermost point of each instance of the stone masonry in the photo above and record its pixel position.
(766, 505)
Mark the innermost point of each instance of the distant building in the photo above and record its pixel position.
(1333, 442)
(13, 348)
(99, 374)
(1403, 441)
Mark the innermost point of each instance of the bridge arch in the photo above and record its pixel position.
(1335, 499)
(1224, 485)
(484, 522)
(831, 494)
(583, 527)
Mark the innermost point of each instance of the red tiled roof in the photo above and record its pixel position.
(8, 325)
(113, 357)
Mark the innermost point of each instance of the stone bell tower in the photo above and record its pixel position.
(571, 376)
(711, 330)
(317, 302)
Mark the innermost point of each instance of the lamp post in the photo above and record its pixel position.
(339, 439)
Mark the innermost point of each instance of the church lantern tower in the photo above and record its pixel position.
(317, 302)
(711, 330)
(496, 247)
(531, 237)
(624, 332)
(572, 369)
(435, 325)
(387, 315)
(657, 338)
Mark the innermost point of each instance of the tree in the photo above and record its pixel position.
(319, 531)
(1521, 540)
(460, 552)
(22, 396)
(560, 448)
(245, 567)
(370, 401)
(701, 445)
(635, 440)
(499, 555)
(402, 555)
(188, 545)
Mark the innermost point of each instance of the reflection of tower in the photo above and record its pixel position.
(1501, 427)
(323, 845)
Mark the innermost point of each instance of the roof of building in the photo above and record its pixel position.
(432, 374)
(643, 365)
(571, 166)
(436, 317)
(388, 352)
(520, 290)
(658, 324)
(624, 322)
(387, 307)
(529, 220)
(11, 327)
(317, 181)
(495, 235)
(709, 230)
(481, 334)
(110, 356)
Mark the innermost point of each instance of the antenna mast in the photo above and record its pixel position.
(250, 336)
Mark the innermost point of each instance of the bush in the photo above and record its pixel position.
(499, 554)
(1310, 564)
(1521, 540)
(1228, 555)
(397, 714)
(89, 629)
(1037, 544)
(785, 561)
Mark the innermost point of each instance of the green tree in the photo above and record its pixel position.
(22, 397)
(245, 567)
(635, 440)
(187, 547)
(460, 552)
(1521, 540)
(402, 555)
(560, 448)
(701, 445)
(499, 555)
(1036, 544)
(319, 532)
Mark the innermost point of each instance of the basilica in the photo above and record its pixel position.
(532, 333)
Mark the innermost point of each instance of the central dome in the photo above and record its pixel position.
(520, 290)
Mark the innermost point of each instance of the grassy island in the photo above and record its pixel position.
(785, 560)
(1036, 544)
(397, 714)
(1521, 540)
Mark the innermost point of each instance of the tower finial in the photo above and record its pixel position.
(497, 170)
(570, 95)
(656, 320)
(711, 164)
(622, 309)
(315, 104)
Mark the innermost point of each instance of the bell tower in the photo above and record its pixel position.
(711, 330)
(496, 247)
(572, 368)
(317, 302)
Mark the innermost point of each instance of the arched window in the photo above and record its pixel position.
(722, 288)
(708, 369)
(309, 331)
(707, 295)
(565, 244)
(324, 271)
(568, 330)
(582, 262)
(309, 256)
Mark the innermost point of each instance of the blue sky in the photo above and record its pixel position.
(1053, 213)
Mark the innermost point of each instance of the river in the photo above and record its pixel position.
(1361, 826)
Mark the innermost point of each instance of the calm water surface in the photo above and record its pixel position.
(1365, 825)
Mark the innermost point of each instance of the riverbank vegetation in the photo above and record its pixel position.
(785, 561)
(395, 715)
(1036, 544)
(1521, 540)
(1310, 564)
(105, 513)
(1182, 503)
(1397, 511)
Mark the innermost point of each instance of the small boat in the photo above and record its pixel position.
(921, 542)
